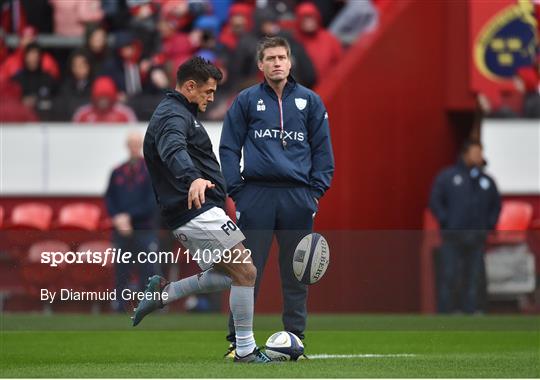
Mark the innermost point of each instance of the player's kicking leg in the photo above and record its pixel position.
(236, 272)
(239, 276)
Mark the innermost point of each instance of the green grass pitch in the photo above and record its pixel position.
(181, 345)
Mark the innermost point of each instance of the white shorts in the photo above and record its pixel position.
(207, 235)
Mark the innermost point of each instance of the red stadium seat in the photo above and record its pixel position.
(81, 216)
(39, 275)
(1, 217)
(89, 276)
(514, 220)
(32, 215)
(515, 216)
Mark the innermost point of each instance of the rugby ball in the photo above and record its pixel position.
(311, 258)
(284, 346)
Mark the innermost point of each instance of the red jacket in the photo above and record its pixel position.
(14, 63)
(323, 47)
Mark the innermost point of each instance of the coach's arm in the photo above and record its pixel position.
(233, 136)
(322, 156)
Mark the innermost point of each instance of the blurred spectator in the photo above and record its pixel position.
(176, 11)
(143, 23)
(12, 109)
(242, 66)
(209, 28)
(76, 88)
(466, 203)
(176, 47)
(105, 107)
(505, 104)
(527, 82)
(323, 47)
(14, 62)
(37, 86)
(356, 17)
(132, 207)
(70, 17)
(96, 47)
(239, 23)
(124, 67)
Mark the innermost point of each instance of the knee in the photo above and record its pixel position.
(250, 273)
(245, 274)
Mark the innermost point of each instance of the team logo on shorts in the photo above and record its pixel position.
(300, 103)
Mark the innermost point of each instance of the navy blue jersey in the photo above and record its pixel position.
(177, 151)
(130, 191)
(285, 141)
(465, 199)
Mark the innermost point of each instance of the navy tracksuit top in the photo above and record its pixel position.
(177, 151)
(260, 124)
(465, 198)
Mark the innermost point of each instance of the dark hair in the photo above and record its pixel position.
(468, 144)
(32, 46)
(270, 42)
(197, 69)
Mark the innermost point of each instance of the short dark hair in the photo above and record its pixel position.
(197, 69)
(468, 144)
(270, 42)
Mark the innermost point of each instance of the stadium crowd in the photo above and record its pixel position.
(110, 60)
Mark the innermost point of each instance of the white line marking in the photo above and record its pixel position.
(355, 356)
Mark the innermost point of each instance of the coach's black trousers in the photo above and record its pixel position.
(287, 213)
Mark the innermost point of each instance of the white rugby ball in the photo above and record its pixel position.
(311, 258)
(284, 346)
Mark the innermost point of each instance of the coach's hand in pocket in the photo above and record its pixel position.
(196, 192)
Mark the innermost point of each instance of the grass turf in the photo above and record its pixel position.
(192, 345)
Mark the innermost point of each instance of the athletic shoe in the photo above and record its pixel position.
(256, 357)
(146, 306)
(231, 351)
(303, 357)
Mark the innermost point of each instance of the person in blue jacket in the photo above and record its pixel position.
(466, 203)
(133, 210)
(282, 128)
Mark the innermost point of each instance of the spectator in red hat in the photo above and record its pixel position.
(176, 47)
(14, 62)
(323, 47)
(105, 107)
(70, 17)
(240, 22)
